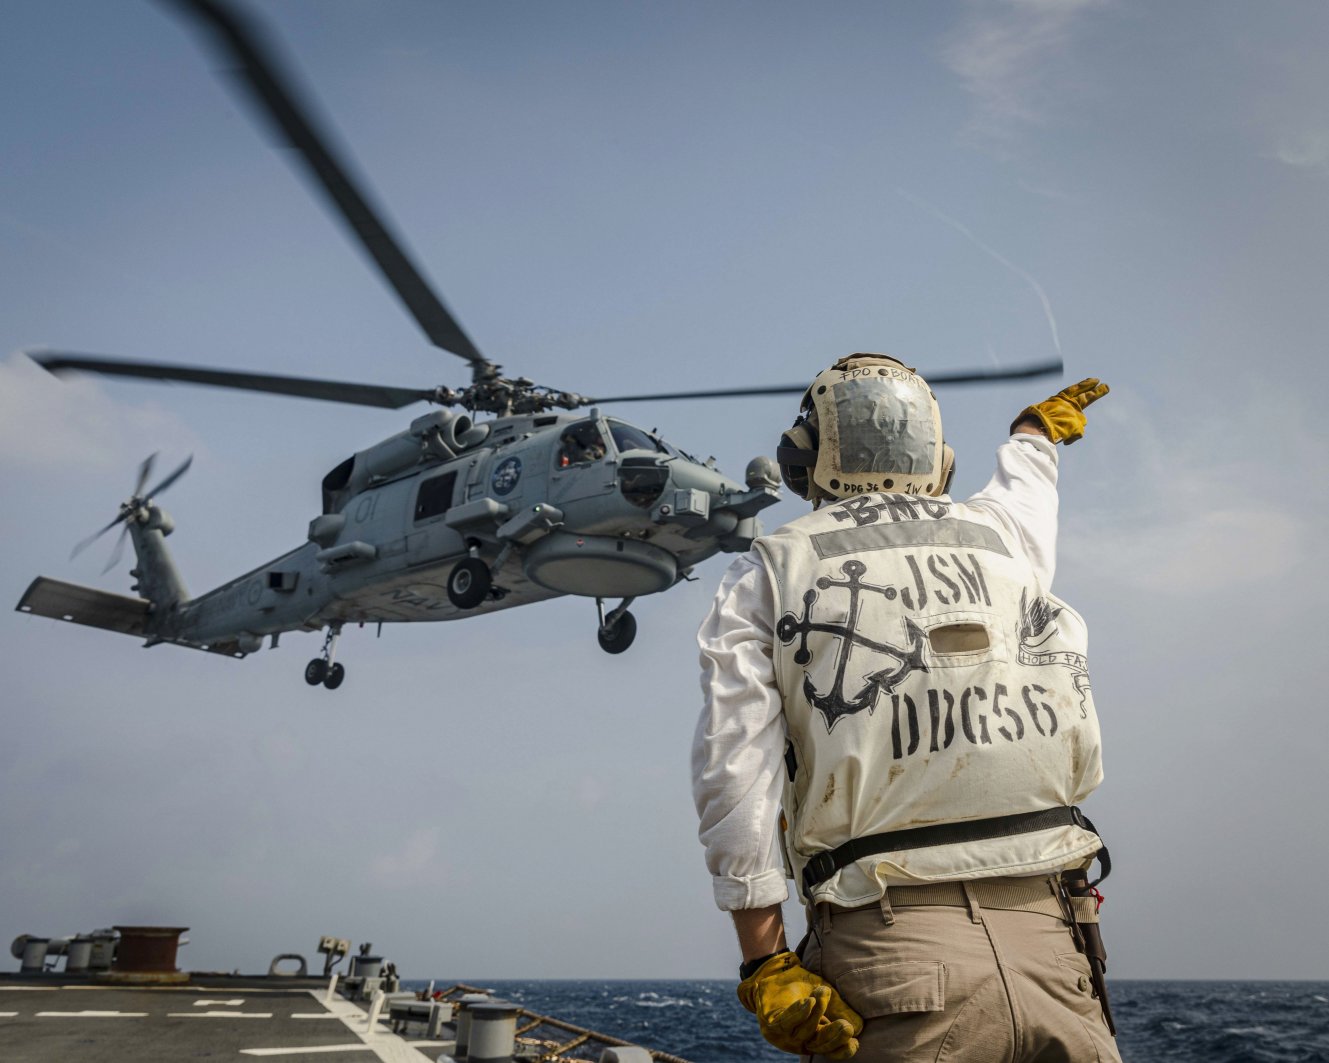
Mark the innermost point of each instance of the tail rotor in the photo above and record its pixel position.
(133, 508)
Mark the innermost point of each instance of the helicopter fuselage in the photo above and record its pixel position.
(553, 504)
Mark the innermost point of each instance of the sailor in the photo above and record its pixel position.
(898, 717)
(580, 444)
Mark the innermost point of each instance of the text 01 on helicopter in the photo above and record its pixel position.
(451, 517)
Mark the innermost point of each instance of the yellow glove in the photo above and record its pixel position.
(1062, 416)
(798, 1011)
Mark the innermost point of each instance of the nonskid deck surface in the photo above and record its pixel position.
(48, 1020)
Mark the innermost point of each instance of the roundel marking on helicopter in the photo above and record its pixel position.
(255, 592)
(506, 476)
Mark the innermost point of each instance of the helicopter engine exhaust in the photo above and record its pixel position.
(438, 435)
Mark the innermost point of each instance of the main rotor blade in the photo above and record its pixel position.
(986, 376)
(301, 387)
(273, 89)
(964, 376)
(184, 468)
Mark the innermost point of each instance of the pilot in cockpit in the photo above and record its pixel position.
(580, 443)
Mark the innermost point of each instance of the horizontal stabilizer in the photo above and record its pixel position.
(111, 612)
(85, 605)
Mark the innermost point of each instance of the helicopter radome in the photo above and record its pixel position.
(451, 517)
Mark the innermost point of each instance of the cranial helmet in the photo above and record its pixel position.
(868, 423)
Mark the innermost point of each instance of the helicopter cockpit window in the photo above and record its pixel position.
(580, 443)
(630, 437)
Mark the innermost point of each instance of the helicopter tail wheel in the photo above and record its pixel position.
(316, 671)
(617, 636)
(469, 583)
(334, 677)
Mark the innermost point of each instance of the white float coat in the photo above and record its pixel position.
(738, 748)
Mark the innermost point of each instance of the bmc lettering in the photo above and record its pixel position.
(894, 507)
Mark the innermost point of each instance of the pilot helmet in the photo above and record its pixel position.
(868, 423)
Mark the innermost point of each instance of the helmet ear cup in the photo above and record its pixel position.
(797, 457)
(947, 469)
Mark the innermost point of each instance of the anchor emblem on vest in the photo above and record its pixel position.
(833, 705)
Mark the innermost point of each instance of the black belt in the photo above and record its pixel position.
(826, 863)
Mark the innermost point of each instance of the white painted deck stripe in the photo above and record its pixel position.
(8, 1014)
(297, 1051)
(386, 1045)
(91, 1014)
(219, 1014)
(320, 1015)
(185, 989)
(29, 988)
(224, 1003)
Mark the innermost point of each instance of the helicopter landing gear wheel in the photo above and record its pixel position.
(617, 629)
(618, 638)
(321, 670)
(469, 583)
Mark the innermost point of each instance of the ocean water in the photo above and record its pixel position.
(1176, 1022)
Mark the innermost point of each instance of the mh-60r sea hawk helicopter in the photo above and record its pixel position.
(451, 517)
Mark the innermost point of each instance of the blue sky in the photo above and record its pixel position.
(617, 198)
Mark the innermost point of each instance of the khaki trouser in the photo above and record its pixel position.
(984, 971)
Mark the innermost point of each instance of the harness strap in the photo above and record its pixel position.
(827, 862)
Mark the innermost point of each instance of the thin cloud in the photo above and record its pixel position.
(988, 249)
(1182, 523)
(1306, 151)
(1001, 54)
(48, 424)
(1046, 191)
(417, 860)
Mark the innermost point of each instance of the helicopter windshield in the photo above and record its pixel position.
(630, 437)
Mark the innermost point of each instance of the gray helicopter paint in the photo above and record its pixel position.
(158, 579)
(385, 565)
(379, 560)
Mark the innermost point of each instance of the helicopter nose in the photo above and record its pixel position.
(642, 480)
(701, 495)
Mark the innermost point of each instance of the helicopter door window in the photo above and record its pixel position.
(580, 444)
(435, 496)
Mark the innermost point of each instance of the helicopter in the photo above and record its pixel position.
(453, 516)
